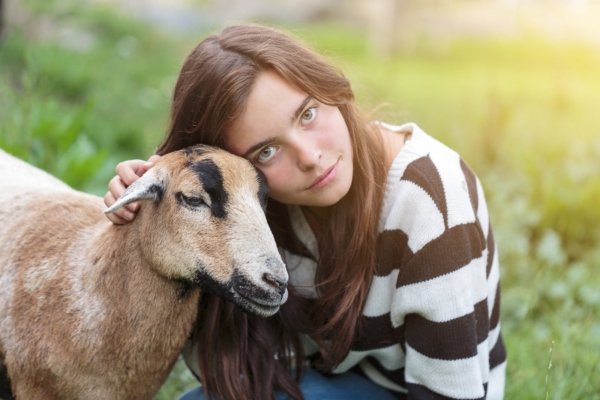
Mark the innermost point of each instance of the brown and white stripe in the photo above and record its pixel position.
(431, 319)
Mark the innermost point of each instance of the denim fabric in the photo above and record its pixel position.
(315, 386)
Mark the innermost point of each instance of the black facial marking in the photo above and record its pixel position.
(197, 150)
(231, 290)
(263, 189)
(5, 392)
(184, 289)
(204, 281)
(157, 190)
(212, 181)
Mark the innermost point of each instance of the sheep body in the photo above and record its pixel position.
(87, 310)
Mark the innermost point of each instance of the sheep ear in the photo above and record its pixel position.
(148, 187)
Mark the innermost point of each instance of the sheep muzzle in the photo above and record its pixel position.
(261, 298)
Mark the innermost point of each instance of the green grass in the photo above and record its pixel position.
(523, 113)
(95, 92)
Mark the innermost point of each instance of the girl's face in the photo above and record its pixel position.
(302, 146)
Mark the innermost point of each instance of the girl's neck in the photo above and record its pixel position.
(316, 218)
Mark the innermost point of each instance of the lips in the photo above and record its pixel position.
(325, 178)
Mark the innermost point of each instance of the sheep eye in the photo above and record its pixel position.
(192, 201)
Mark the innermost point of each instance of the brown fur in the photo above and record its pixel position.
(91, 311)
(54, 335)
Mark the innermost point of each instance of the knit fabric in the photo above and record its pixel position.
(431, 317)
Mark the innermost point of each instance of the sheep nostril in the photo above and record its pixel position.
(276, 282)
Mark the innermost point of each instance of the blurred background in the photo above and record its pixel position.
(513, 86)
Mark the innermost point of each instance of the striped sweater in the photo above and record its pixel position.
(431, 317)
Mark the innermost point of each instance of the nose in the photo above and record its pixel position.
(309, 156)
(275, 282)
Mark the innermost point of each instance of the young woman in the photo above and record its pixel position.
(384, 230)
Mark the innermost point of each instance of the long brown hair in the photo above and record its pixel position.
(209, 96)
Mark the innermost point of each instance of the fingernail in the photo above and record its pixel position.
(148, 164)
(128, 215)
(133, 206)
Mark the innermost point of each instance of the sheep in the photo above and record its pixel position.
(92, 310)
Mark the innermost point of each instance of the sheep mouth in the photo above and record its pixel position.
(242, 293)
(255, 306)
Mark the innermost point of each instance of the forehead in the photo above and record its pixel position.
(268, 111)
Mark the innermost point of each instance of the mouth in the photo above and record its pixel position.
(325, 178)
(255, 306)
(248, 297)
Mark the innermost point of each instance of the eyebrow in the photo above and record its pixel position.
(300, 109)
(272, 139)
(258, 146)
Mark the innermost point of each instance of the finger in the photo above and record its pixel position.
(122, 216)
(127, 170)
(132, 207)
(153, 158)
(115, 219)
(150, 163)
(116, 189)
(125, 214)
(146, 166)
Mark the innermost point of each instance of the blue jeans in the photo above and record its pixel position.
(315, 386)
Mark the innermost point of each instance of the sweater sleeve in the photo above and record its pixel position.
(447, 294)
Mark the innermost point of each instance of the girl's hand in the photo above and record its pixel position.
(127, 173)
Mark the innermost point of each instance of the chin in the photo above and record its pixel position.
(338, 193)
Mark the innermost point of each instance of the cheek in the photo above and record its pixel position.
(277, 181)
(339, 136)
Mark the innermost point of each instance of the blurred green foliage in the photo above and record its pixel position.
(83, 87)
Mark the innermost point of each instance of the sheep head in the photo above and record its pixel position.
(203, 223)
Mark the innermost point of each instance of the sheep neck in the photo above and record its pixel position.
(146, 300)
(145, 308)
